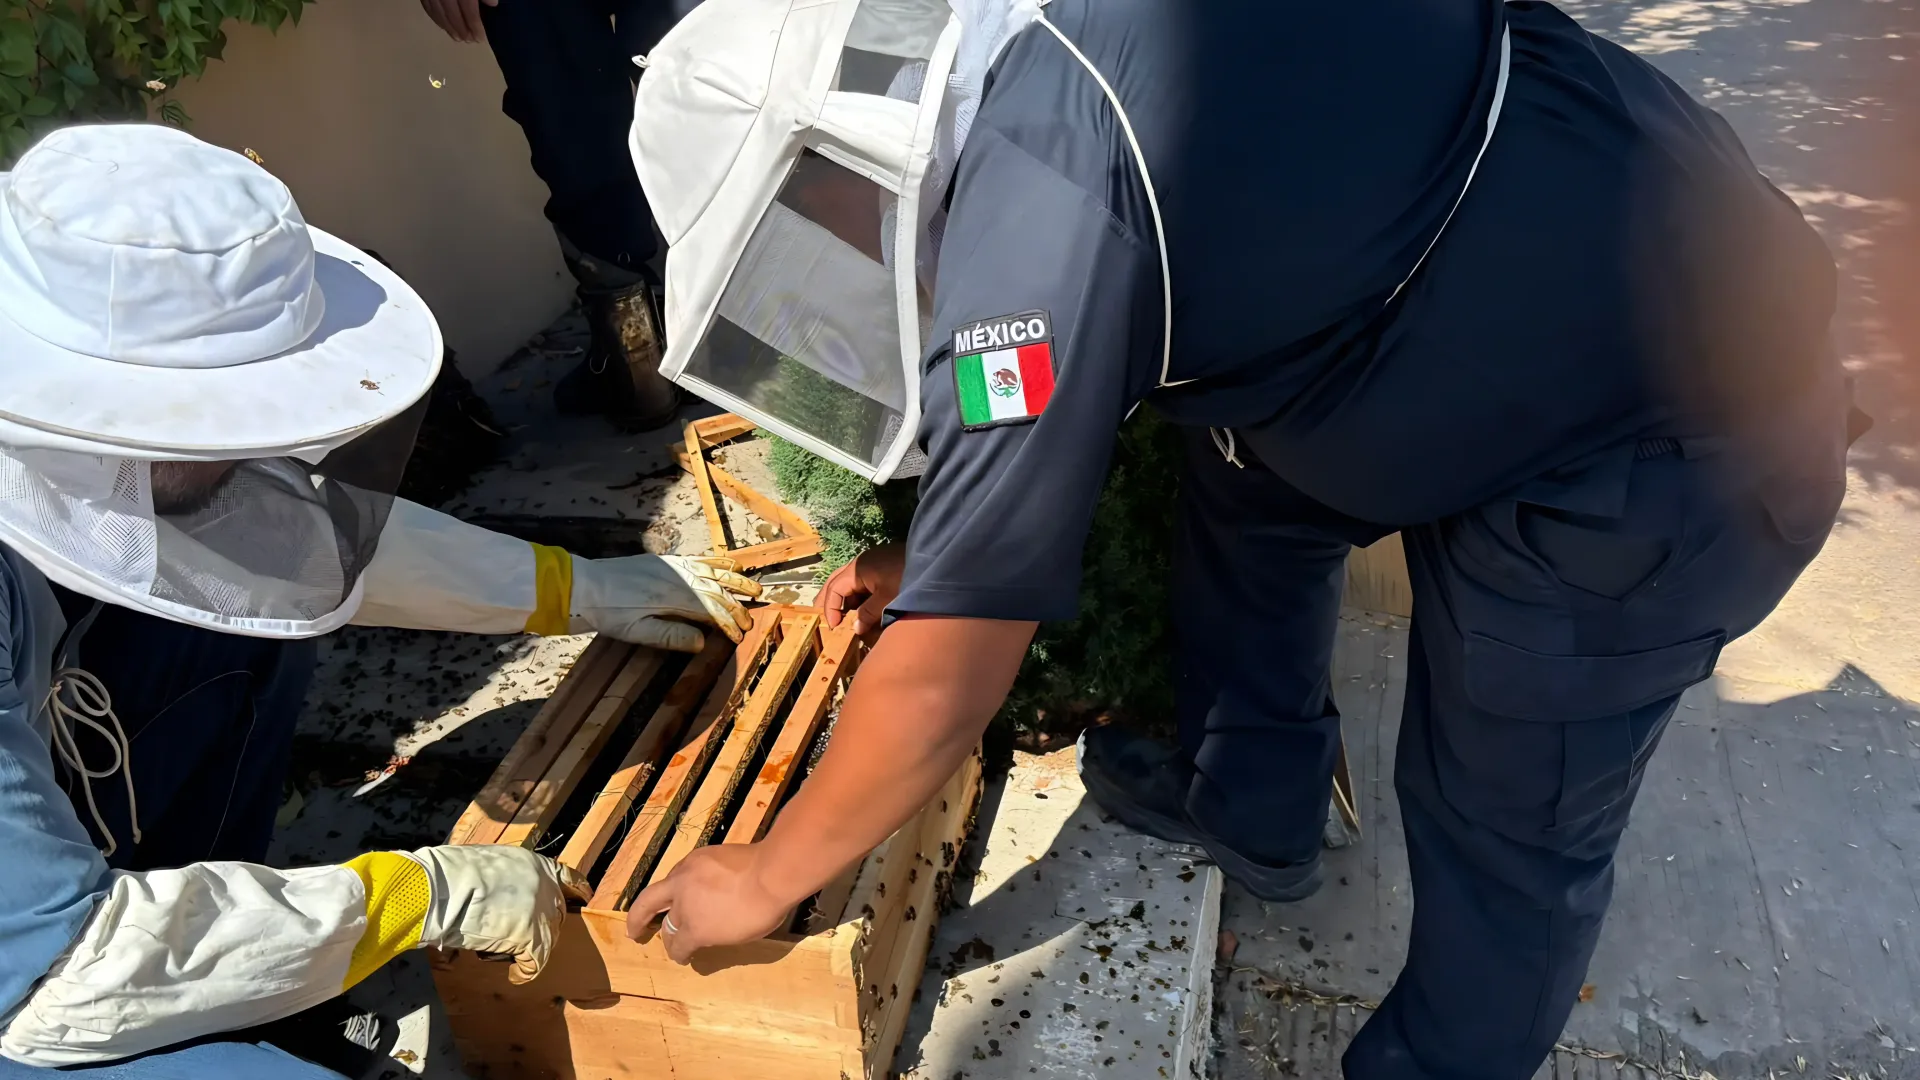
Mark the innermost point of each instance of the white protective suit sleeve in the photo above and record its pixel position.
(435, 572)
(173, 954)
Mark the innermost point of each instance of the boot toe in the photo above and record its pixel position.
(1140, 781)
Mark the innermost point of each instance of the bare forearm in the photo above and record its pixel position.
(915, 711)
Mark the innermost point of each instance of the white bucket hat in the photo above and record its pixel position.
(162, 300)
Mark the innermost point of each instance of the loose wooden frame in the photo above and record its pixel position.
(798, 539)
(1343, 799)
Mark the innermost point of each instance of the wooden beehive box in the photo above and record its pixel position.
(639, 758)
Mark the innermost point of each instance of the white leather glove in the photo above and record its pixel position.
(497, 899)
(660, 600)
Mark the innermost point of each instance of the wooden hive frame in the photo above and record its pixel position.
(798, 539)
(638, 759)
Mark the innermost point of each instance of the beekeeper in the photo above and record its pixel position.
(207, 407)
(1463, 271)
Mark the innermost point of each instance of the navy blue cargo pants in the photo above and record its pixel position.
(569, 70)
(1553, 634)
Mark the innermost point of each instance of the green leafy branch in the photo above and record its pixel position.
(65, 61)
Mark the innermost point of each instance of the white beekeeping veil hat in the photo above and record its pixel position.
(205, 403)
(782, 144)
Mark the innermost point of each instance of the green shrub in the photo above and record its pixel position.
(851, 514)
(63, 61)
(1115, 657)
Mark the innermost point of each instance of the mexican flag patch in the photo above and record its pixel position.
(1003, 370)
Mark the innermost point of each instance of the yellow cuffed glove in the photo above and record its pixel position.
(488, 897)
(657, 600)
(435, 572)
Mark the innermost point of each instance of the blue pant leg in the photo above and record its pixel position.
(1258, 572)
(1507, 907)
(1549, 650)
(569, 71)
(210, 718)
(204, 1061)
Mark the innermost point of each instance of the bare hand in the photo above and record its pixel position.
(714, 897)
(459, 18)
(864, 587)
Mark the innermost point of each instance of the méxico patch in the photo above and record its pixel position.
(1003, 369)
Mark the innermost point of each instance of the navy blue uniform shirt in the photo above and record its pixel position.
(1618, 268)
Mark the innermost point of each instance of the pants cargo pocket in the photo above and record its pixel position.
(1605, 713)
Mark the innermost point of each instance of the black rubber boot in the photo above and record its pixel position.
(620, 377)
(1143, 783)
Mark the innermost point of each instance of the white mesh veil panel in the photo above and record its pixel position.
(92, 512)
(807, 329)
(901, 28)
(908, 85)
(775, 298)
(793, 294)
(266, 546)
(986, 26)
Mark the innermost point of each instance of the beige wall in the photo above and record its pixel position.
(344, 108)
